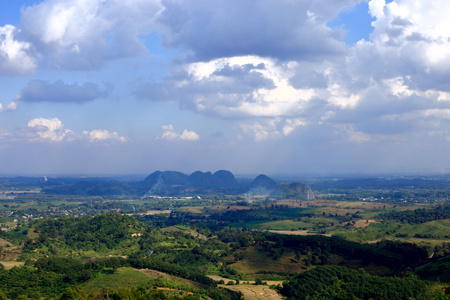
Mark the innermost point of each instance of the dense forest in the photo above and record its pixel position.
(418, 216)
(333, 282)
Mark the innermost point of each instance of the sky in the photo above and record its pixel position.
(250, 86)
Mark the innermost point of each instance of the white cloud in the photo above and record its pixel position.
(170, 134)
(53, 131)
(377, 88)
(376, 8)
(14, 54)
(41, 129)
(104, 135)
(270, 129)
(260, 131)
(189, 135)
(248, 86)
(416, 31)
(276, 97)
(85, 34)
(291, 125)
(227, 28)
(349, 132)
(11, 106)
(340, 96)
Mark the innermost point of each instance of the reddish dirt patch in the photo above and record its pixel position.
(154, 273)
(364, 223)
(5, 243)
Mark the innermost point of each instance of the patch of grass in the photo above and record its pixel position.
(257, 292)
(182, 227)
(255, 260)
(123, 277)
(286, 225)
(438, 229)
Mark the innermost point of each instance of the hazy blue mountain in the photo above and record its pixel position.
(226, 178)
(262, 185)
(172, 182)
(294, 190)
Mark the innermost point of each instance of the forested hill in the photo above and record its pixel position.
(65, 252)
(104, 232)
(333, 282)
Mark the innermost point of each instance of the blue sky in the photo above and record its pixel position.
(285, 87)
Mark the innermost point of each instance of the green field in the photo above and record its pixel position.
(123, 277)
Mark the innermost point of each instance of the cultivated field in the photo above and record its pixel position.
(251, 291)
(255, 292)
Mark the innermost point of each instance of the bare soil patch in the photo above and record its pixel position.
(363, 223)
(157, 212)
(5, 243)
(155, 274)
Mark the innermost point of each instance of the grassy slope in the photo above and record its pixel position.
(254, 260)
(123, 277)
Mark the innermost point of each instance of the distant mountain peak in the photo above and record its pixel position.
(168, 182)
(262, 185)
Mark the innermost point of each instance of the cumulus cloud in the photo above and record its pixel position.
(225, 28)
(104, 135)
(53, 131)
(233, 87)
(394, 83)
(84, 35)
(11, 106)
(58, 91)
(15, 57)
(170, 134)
(413, 38)
(81, 34)
(269, 129)
(273, 70)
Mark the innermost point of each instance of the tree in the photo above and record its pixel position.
(76, 293)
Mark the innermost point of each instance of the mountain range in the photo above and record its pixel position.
(174, 183)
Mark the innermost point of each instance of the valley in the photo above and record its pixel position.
(223, 242)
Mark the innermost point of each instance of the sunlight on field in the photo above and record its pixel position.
(157, 212)
(124, 277)
(251, 291)
(11, 264)
(4, 243)
(363, 223)
(255, 292)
